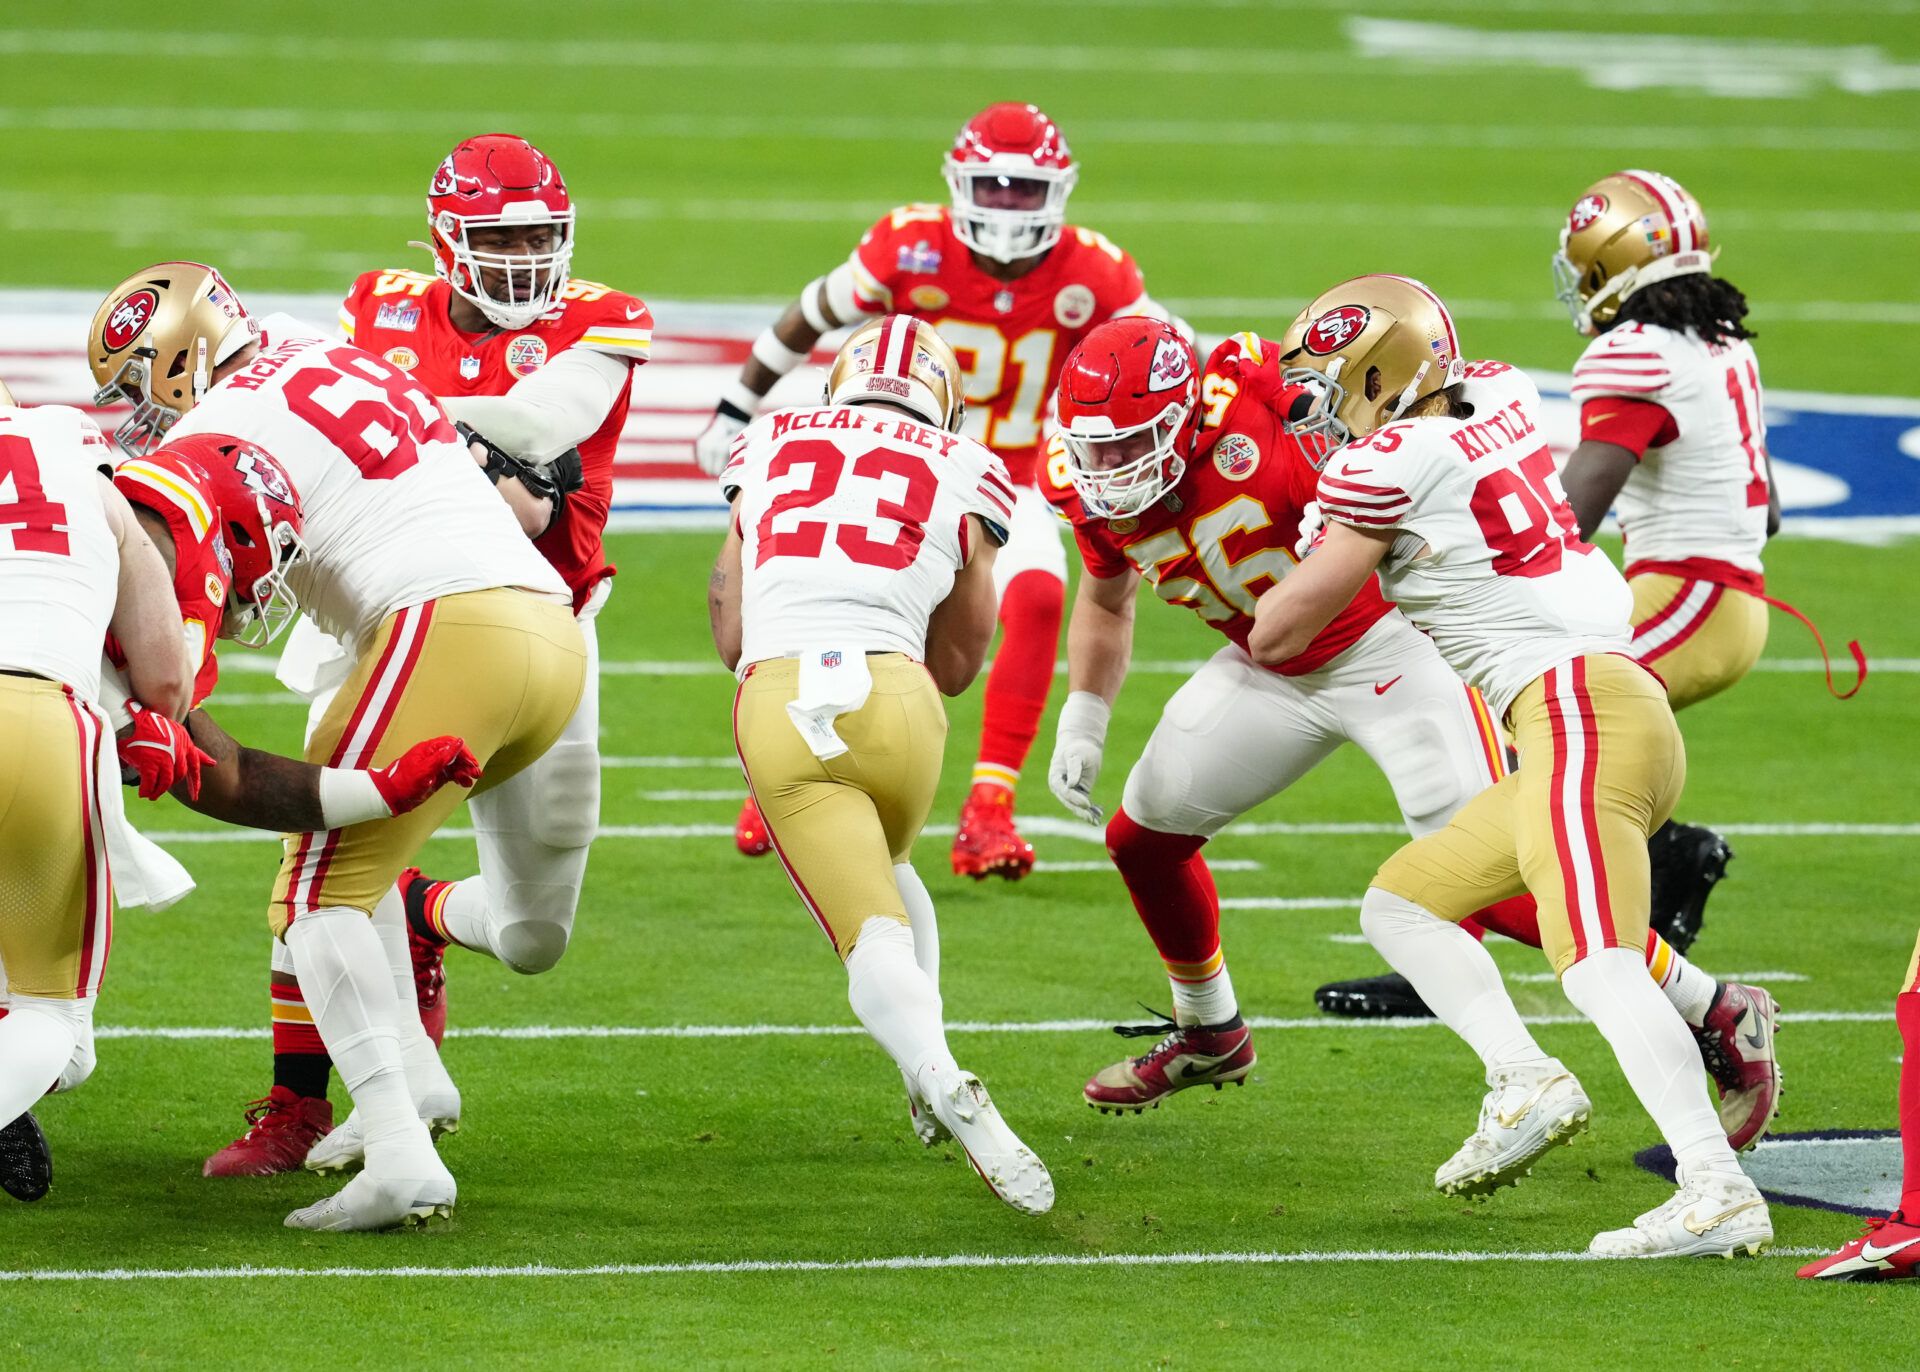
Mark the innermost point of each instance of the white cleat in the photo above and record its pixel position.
(1526, 1111)
(926, 1127)
(1007, 1165)
(372, 1201)
(1713, 1216)
(345, 1147)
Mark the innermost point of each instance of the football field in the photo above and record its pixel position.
(678, 1149)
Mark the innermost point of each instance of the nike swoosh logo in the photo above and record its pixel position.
(1698, 1226)
(1595, 419)
(636, 313)
(1193, 1071)
(1348, 469)
(1755, 1041)
(1871, 1252)
(1504, 1120)
(1380, 688)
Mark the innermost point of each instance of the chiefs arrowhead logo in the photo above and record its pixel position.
(263, 476)
(1585, 210)
(1336, 328)
(129, 318)
(1172, 366)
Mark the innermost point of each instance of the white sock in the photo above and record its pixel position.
(1207, 1001)
(896, 1001)
(1454, 975)
(34, 1048)
(349, 988)
(468, 918)
(1657, 1054)
(425, 1074)
(1689, 989)
(926, 929)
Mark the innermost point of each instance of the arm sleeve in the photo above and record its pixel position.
(1635, 425)
(558, 407)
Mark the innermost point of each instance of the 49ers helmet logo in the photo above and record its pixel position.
(263, 475)
(1336, 328)
(1585, 210)
(129, 318)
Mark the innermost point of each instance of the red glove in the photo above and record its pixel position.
(162, 753)
(416, 774)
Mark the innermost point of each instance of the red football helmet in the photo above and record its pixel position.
(258, 513)
(1129, 403)
(498, 179)
(1011, 174)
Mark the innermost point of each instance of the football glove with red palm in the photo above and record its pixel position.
(161, 753)
(407, 781)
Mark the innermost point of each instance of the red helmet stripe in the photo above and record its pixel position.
(1682, 222)
(883, 342)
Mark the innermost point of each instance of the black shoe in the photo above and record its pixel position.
(26, 1164)
(1384, 997)
(1688, 860)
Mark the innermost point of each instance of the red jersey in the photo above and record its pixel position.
(171, 487)
(1011, 336)
(402, 315)
(1226, 532)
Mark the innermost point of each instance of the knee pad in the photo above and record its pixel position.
(77, 1016)
(534, 926)
(566, 810)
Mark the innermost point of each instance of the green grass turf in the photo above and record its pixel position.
(576, 1153)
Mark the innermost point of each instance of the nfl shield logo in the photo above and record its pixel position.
(831, 659)
(469, 368)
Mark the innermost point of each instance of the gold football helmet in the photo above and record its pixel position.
(155, 341)
(900, 360)
(1626, 231)
(1367, 351)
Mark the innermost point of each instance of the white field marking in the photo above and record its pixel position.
(727, 797)
(714, 763)
(547, 1032)
(1220, 865)
(1763, 978)
(1348, 938)
(1628, 61)
(1799, 312)
(1289, 903)
(1746, 9)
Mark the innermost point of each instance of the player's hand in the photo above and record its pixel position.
(1313, 528)
(1079, 747)
(416, 774)
(161, 753)
(715, 443)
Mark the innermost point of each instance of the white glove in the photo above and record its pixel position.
(1313, 523)
(1079, 746)
(715, 443)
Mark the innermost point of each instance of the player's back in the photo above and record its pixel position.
(1488, 559)
(395, 511)
(852, 522)
(59, 562)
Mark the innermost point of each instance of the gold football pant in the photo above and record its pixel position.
(56, 896)
(502, 669)
(1601, 767)
(1700, 637)
(839, 826)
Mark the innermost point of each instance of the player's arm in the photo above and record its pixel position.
(536, 495)
(1773, 500)
(1291, 614)
(1615, 433)
(552, 409)
(961, 628)
(723, 593)
(1099, 647)
(146, 619)
(1593, 477)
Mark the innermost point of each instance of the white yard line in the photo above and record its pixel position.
(1763, 978)
(1285, 903)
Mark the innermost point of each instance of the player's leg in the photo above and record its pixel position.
(1030, 576)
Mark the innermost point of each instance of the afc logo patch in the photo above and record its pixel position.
(406, 359)
(1073, 307)
(928, 298)
(129, 317)
(526, 354)
(1235, 456)
(1585, 210)
(1172, 366)
(1336, 328)
(401, 316)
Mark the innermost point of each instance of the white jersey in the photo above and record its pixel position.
(1703, 494)
(395, 511)
(852, 524)
(59, 560)
(1489, 561)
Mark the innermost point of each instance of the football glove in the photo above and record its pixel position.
(553, 481)
(1079, 747)
(1313, 528)
(161, 754)
(407, 781)
(715, 443)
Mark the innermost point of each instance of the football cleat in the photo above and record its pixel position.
(280, 1130)
(1736, 1043)
(1010, 1168)
(1712, 1216)
(987, 844)
(1188, 1055)
(926, 1125)
(26, 1163)
(750, 831)
(375, 1201)
(1390, 996)
(1526, 1111)
(1888, 1251)
(429, 959)
(1688, 860)
(346, 1147)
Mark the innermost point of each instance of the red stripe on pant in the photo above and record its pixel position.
(1700, 617)
(1590, 797)
(1556, 808)
(96, 936)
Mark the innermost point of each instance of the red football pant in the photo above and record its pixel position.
(1906, 1010)
(1171, 888)
(1022, 672)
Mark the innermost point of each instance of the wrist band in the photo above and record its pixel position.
(774, 355)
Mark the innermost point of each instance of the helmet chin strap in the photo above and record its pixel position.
(1633, 280)
(1408, 396)
(201, 377)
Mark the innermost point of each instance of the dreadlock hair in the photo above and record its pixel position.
(1711, 308)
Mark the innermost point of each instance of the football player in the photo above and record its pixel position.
(1188, 479)
(1890, 1247)
(844, 629)
(1012, 287)
(541, 363)
(74, 564)
(454, 622)
(1436, 479)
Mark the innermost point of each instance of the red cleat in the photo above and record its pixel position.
(1736, 1043)
(750, 831)
(1888, 1251)
(280, 1130)
(429, 961)
(988, 844)
(1190, 1055)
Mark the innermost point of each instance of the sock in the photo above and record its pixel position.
(300, 1061)
(926, 930)
(1656, 1053)
(1454, 975)
(1691, 990)
(425, 1074)
(34, 1048)
(1906, 1009)
(425, 904)
(1517, 917)
(1021, 675)
(1173, 891)
(896, 1002)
